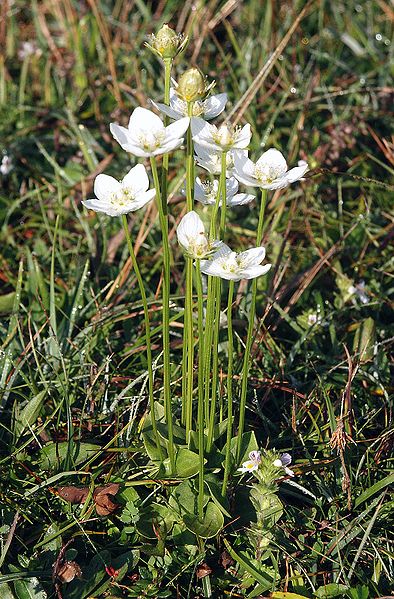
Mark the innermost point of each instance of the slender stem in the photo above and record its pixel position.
(222, 185)
(249, 338)
(147, 333)
(200, 408)
(166, 314)
(215, 353)
(208, 354)
(229, 387)
(213, 308)
(189, 331)
(164, 170)
(221, 191)
(188, 341)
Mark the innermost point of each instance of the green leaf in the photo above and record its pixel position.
(244, 561)
(281, 595)
(388, 480)
(29, 589)
(156, 518)
(330, 590)
(187, 463)
(5, 591)
(52, 454)
(364, 340)
(7, 302)
(211, 524)
(248, 444)
(27, 417)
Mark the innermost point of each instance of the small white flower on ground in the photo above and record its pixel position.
(283, 462)
(312, 319)
(220, 139)
(207, 109)
(146, 134)
(269, 172)
(6, 165)
(210, 160)
(255, 456)
(192, 238)
(252, 464)
(359, 291)
(121, 197)
(229, 265)
(206, 193)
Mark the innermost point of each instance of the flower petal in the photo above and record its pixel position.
(273, 159)
(243, 137)
(214, 105)
(96, 205)
(241, 199)
(252, 257)
(121, 134)
(190, 228)
(142, 199)
(296, 173)
(167, 110)
(104, 186)
(255, 271)
(142, 119)
(177, 130)
(137, 179)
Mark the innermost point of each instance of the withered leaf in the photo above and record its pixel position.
(67, 571)
(102, 497)
(203, 570)
(226, 560)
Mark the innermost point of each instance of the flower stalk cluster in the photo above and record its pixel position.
(221, 151)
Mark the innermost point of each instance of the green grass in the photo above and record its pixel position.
(72, 365)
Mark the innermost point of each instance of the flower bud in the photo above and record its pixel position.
(166, 44)
(277, 463)
(225, 136)
(192, 85)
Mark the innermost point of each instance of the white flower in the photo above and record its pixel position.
(206, 193)
(207, 109)
(192, 238)
(6, 165)
(359, 291)
(220, 139)
(234, 267)
(283, 462)
(210, 160)
(146, 134)
(312, 319)
(252, 464)
(120, 197)
(269, 172)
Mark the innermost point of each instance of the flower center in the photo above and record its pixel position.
(122, 197)
(151, 141)
(267, 173)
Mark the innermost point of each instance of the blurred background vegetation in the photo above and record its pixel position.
(315, 81)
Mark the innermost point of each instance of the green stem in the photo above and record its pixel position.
(166, 314)
(209, 325)
(221, 191)
(147, 332)
(188, 341)
(229, 387)
(164, 170)
(249, 338)
(200, 408)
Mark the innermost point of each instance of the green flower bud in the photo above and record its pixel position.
(192, 85)
(167, 43)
